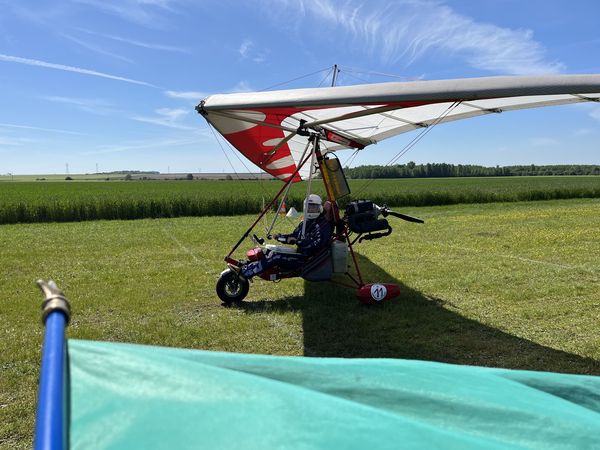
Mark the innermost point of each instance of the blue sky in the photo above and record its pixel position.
(114, 83)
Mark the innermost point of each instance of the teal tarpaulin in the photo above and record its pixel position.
(133, 396)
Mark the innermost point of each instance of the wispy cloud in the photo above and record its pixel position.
(42, 13)
(186, 95)
(248, 50)
(49, 65)
(148, 45)
(50, 130)
(149, 13)
(245, 48)
(92, 105)
(583, 131)
(140, 145)
(13, 141)
(242, 86)
(95, 48)
(543, 142)
(595, 113)
(167, 117)
(406, 30)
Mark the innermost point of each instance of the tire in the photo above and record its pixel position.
(231, 288)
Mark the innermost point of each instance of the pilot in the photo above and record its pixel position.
(317, 235)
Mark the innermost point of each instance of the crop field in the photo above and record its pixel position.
(27, 202)
(501, 284)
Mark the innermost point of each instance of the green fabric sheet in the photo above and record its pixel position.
(132, 396)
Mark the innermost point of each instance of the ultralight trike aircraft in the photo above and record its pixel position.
(293, 135)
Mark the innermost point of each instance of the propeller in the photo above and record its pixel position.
(386, 212)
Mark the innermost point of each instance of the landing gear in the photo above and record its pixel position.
(231, 287)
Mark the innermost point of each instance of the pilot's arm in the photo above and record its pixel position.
(291, 238)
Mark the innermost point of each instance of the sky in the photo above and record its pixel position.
(112, 84)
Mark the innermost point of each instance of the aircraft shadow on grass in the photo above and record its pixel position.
(412, 326)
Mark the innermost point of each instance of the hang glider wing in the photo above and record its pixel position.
(264, 126)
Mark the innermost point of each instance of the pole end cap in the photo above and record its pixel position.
(54, 300)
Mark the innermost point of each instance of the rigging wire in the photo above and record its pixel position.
(351, 158)
(355, 77)
(295, 79)
(235, 152)
(325, 77)
(427, 130)
(348, 71)
(383, 74)
(223, 150)
(413, 142)
(238, 177)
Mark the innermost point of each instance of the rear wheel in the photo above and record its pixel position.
(231, 288)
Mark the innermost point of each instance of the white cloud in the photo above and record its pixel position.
(140, 145)
(186, 95)
(172, 114)
(595, 113)
(543, 142)
(150, 13)
(245, 48)
(96, 48)
(148, 45)
(248, 50)
(49, 65)
(166, 117)
(583, 132)
(51, 130)
(14, 142)
(242, 86)
(406, 30)
(96, 106)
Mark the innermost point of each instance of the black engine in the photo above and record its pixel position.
(362, 216)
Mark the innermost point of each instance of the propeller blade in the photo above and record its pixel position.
(406, 217)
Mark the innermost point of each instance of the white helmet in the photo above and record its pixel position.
(313, 206)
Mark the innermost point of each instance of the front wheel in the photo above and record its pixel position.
(231, 288)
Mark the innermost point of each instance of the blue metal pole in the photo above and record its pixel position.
(51, 418)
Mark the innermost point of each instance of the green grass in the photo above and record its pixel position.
(507, 285)
(27, 202)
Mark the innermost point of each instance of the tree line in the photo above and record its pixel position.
(432, 170)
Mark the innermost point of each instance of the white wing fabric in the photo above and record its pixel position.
(263, 125)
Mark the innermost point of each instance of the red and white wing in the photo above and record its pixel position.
(263, 125)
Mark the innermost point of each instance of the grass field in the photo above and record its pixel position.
(27, 202)
(504, 284)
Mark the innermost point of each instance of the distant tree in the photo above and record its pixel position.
(189, 176)
(412, 170)
(68, 178)
(128, 177)
(229, 177)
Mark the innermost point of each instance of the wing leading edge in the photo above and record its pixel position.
(264, 126)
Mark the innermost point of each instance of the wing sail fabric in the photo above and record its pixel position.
(263, 125)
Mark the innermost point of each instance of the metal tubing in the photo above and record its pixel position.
(358, 285)
(285, 194)
(355, 261)
(271, 203)
(313, 153)
(50, 424)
